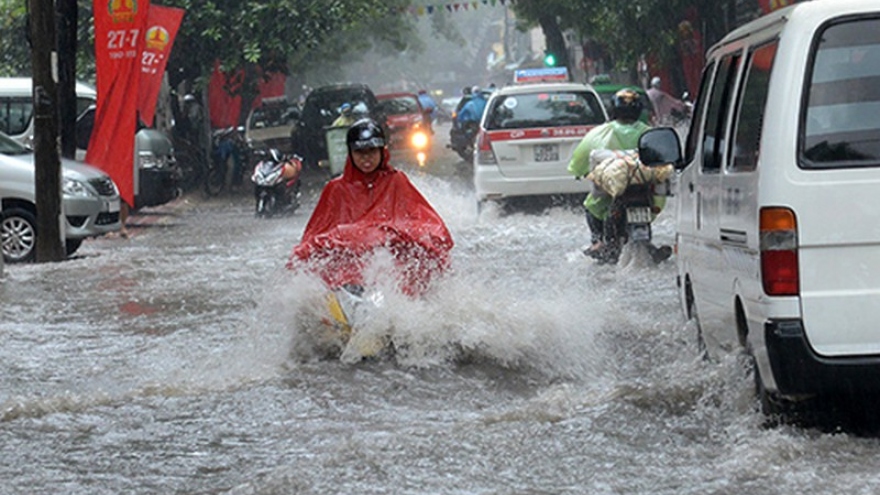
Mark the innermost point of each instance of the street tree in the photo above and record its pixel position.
(630, 29)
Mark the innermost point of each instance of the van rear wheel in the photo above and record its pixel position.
(695, 318)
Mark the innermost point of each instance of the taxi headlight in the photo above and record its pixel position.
(419, 139)
(71, 187)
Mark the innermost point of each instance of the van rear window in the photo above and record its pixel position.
(842, 122)
(545, 109)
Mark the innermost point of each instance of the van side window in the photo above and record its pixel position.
(753, 98)
(15, 115)
(716, 118)
(841, 125)
(693, 137)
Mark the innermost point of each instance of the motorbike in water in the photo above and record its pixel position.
(462, 139)
(637, 193)
(274, 193)
(346, 307)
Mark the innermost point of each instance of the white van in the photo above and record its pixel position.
(778, 221)
(157, 179)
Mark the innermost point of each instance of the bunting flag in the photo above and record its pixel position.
(119, 42)
(162, 26)
(455, 7)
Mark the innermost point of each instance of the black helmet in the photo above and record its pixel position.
(275, 155)
(626, 104)
(364, 134)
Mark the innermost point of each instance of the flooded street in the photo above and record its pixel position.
(169, 363)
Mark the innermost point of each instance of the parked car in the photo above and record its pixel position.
(778, 253)
(270, 125)
(90, 202)
(157, 177)
(409, 131)
(526, 138)
(320, 110)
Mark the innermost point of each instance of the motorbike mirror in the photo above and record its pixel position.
(659, 147)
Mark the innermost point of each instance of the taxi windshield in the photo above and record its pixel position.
(545, 109)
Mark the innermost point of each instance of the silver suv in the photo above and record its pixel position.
(90, 202)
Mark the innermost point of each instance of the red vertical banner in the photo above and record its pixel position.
(119, 41)
(224, 108)
(771, 5)
(690, 45)
(162, 26)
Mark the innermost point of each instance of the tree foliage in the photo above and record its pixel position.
(629, 29)
(15, 52)
(264, 33)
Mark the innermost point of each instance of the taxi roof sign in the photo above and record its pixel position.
(546, 74)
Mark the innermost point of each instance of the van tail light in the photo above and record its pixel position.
(485, 155)
(779, 252)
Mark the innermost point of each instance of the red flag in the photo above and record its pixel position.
(162, 26)
(771, 5)
(224, 108)
(119, 41)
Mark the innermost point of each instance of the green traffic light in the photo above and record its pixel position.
(550, 60)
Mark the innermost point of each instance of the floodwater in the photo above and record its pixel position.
(173, 362)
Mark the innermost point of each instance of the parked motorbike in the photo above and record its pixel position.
(462, 138)
(229, 156)
(274, 194)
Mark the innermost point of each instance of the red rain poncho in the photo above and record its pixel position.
(358, 213)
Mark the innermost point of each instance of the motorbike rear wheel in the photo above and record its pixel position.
(215, 179)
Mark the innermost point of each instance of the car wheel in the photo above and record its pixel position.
(71, 245)
(18, 235)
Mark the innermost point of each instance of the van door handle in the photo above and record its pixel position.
(691, 186)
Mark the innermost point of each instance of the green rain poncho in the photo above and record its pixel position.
(610, 136)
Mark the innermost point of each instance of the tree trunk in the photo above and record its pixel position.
(49, 246)
(554, 39)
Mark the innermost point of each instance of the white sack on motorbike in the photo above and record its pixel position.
(614, 170)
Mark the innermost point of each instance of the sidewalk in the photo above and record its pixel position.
(313, 181)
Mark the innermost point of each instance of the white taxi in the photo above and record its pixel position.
(526, 138)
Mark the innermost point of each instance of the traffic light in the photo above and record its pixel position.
(549, 59)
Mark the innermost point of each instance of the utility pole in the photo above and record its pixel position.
(48, 166)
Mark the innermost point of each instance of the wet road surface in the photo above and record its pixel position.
(166, 363)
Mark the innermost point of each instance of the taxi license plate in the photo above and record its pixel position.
(546, 152)
(639, 214)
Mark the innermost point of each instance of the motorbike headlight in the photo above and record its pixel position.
(72, 187)
(420, 139)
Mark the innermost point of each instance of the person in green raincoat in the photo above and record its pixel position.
(621, 133)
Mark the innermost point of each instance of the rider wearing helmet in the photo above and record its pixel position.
(621, 133)
(370, 207)
(346, 117)
(472, 111)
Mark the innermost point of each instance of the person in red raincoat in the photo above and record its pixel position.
(371, 206)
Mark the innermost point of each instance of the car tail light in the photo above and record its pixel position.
(779, 252)
(485, 155)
